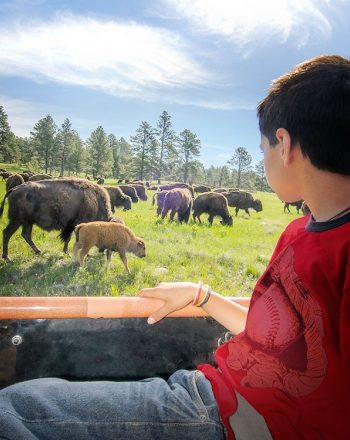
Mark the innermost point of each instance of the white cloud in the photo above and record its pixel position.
(124, 59)
(250, 23)
(22, 115)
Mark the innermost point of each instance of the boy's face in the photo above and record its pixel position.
(279, 176)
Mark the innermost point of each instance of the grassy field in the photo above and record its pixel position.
(230, 259)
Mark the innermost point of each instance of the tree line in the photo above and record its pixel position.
(152, 153)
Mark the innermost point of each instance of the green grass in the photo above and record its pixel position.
(230, 259)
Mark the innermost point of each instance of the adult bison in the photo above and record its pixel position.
(140, 190)
(57, 204)
(242, 200)
(178, 201)
(129, 191)
(298, 204)
(177, 185)
(199, 189)
(13, 180)
(214, 204)
(118, 198)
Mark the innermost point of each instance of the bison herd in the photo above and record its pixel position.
(78, 205)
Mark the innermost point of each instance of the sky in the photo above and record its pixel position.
(117, 63)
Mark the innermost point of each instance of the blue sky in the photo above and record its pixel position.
(117, 63)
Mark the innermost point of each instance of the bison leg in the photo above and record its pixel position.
(7, 233)
(164, 213)
(83, 252)
(124, 260)
(27, 235)
(109, 256)
(186, 216)
(196, 214)
(76, 249)
(65, 246)
(246, 210)
(237, 209)
(172, 215)
(211, 218)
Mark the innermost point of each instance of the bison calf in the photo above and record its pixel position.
(107, 235)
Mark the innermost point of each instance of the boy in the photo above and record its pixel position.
(285, 375)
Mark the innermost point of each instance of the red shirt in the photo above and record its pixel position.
(292, 361)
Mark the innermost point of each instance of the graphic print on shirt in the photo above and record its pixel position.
(281, 346)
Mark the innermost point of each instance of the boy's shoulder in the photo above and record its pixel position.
(297, 226)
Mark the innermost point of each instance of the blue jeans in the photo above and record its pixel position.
(183, 407)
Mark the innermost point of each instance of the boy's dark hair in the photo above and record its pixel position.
(312, 102)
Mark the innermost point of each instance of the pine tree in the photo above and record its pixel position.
(166, 137)
(44, 141)
(242, 159)
(126, 158)
(99, 153)
(189, 148)
(64, 144)
(261, 183)
(9, 151)
(143, 147)
(116, 157)
(77, 155)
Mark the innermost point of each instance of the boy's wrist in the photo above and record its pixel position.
(202, 295)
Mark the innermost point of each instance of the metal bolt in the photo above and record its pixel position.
(17, 340)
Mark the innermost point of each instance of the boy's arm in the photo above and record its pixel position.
(231, 315)
(179, 295)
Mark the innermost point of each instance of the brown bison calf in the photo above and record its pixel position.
(107, 235)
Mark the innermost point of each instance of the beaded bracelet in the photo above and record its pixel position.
(206, 298)
(198, 294)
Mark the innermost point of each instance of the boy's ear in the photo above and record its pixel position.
(285, 143)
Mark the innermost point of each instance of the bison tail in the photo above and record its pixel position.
(76, 231)
(3, 202)
(67, 231)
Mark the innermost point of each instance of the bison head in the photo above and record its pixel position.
(126, 202)
(257, 205)
(227, 221)
(139, 248)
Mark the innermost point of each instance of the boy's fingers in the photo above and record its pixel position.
(159, 314)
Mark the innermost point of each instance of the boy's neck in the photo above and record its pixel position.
(326, 194)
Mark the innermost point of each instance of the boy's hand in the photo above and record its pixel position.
(176, 296)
